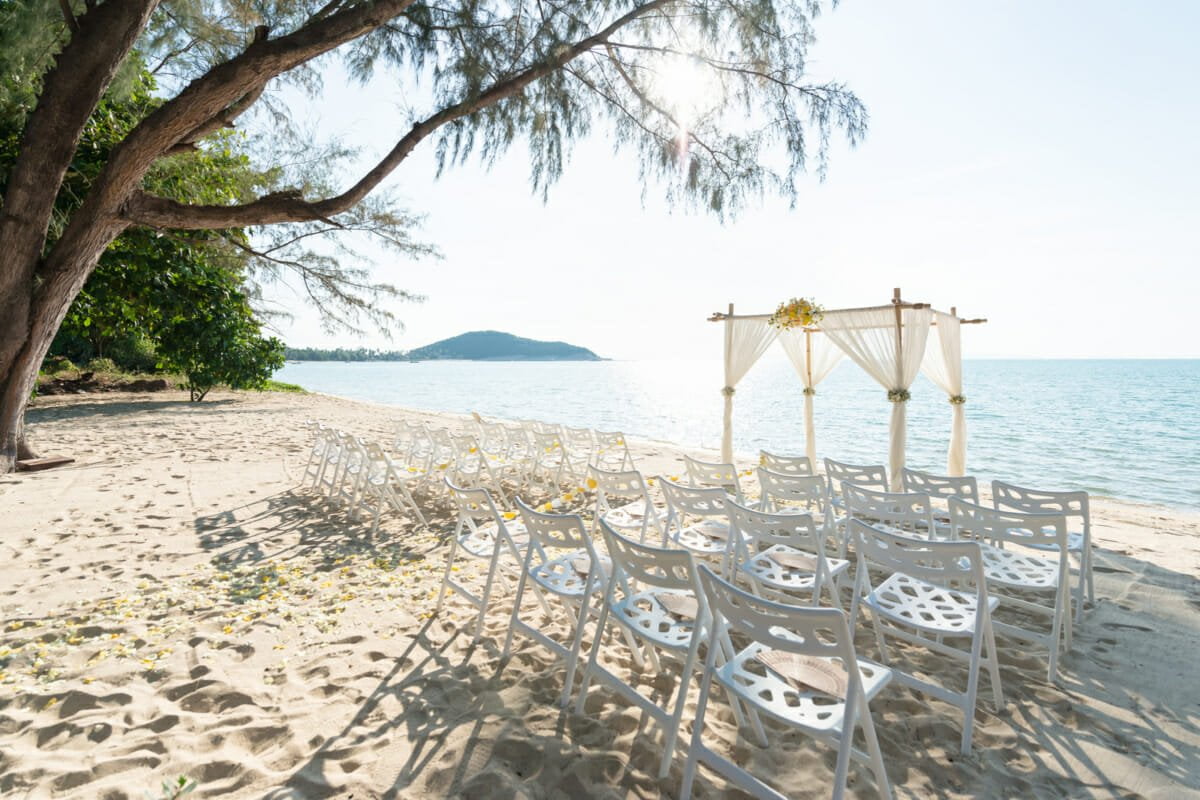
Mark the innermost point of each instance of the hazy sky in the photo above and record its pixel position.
(1035, 163)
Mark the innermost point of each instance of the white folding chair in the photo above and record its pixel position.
(560, 562)
(783, 555)
(935, 592)
(653, 597)
(940, 488)
(785, 465)
(471, 467)
(698, 521)
(812, 643)
(1017, 548)
(906, 513)
(1076, 507)
(869, 476)
(612, 453)
(640, 513)
(705, 473)
(330, 477)
(549, 461)
(387, 486)
(578, 450)
(316, 453)
(482, 534)
(787, 493)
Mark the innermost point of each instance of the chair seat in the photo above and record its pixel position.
(481, 542)
(634, 515)
(1018, 570)
(1074, 543)
(767, 570)
(763, 689)
(926, 606)
(648, 618)
(561, 576)
(707, 537)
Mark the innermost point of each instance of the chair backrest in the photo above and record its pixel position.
(378, 462)
(611, 451)
(872, 476)
(546, 443)
(950, 564)
(518, 441)
(659, 567)
(706, 473)
(693, 500)
(940, 487)
(579, 440)
(474, 505)
(466, 448)
(785, 465)
(493, 438)
(999, 526)
(629, 484)
(908, 511)
(1020, 498)
(555, 531)
(759, 530)
(796, 629)
(810, 491)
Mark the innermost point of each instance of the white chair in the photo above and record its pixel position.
(330, 476)
(705, 473)
(935, 592)
(698, 521)
(1016, 549)
(940, 489)
(612, 453)
(813, 642)
(560, 562)
(578, 450)
(482, 534)
(316, 453)
(403, 438)
(782, 555)
(654, 598)
(788, 493)
(549, 461)
(470, 467)
(386, 486)
(785, 465)
(869, 476)
(640, 513)
(1075, 506)
(906, 513)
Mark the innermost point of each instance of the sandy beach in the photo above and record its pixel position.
(173, 603)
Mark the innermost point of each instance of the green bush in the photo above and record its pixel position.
(56, 365)
(104, 364)
(134, 353)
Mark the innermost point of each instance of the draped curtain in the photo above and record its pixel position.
(891, 355)
(745, 342)
(943, 366)
(813, 357)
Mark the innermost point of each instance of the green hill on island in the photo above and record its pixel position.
(497, 346)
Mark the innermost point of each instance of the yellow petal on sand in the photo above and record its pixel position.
(591, 483)
(228, 629)
(50, 703)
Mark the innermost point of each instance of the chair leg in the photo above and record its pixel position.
(845, 745)
(672, 732)
(593, 658)
(878, 767)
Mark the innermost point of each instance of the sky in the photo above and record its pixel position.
(1037, 164)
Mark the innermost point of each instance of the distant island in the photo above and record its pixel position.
(473, 346)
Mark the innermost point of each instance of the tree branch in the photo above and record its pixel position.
(143, 208)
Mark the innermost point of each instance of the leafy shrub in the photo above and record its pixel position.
(134, 353)
(104, 364)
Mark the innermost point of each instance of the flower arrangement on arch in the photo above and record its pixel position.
(799, 312)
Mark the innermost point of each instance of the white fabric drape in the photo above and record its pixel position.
(745, 342)
(943, 366)
(813, 357)
(890, 354)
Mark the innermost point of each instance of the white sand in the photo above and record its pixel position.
(172, 605)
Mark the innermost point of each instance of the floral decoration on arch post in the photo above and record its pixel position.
(799, 312)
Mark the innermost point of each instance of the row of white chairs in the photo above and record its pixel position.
(529, 455)
(933, 591)
(358, 473)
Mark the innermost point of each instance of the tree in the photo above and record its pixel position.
(493, 73)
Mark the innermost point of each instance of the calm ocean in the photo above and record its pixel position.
(1128, 429)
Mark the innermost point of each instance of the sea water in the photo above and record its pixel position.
(1120, 428)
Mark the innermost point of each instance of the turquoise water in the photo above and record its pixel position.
(1127, 429)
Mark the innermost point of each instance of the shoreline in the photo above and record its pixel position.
(175, 605)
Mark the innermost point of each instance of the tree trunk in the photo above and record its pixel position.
(18, 374)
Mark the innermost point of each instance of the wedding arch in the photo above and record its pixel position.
(890, 342)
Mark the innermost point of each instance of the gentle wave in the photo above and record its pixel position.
(1117, 428)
